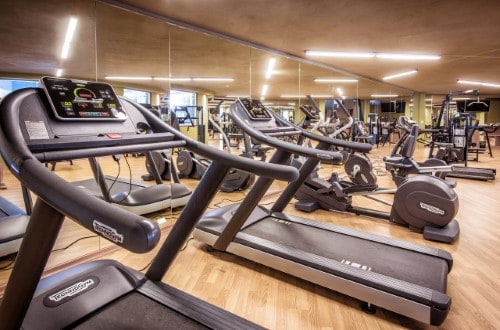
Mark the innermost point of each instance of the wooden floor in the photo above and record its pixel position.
(278, 301)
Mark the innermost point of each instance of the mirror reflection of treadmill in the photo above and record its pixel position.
(403, 277)
(74, 103)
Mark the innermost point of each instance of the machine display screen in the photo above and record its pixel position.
(82, 100)
(255, 109)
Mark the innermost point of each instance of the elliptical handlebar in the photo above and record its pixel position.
(404, 123)
(350, 120)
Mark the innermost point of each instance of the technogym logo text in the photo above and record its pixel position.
(107, 231)
(72, 290)
(431, 208)
(62, 295)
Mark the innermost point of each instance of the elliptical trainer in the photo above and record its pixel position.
(401, 164)
(423, 203)
(357, 166)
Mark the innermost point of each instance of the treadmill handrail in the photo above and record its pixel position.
(59, 155)
(352, 145)
(133, 232)
(334, 156)
(130, 231)
(274, 171)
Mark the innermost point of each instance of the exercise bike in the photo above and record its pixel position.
(423, 203)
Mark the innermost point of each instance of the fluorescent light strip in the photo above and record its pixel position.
(238, 96)
(126, 78)
(270, 67)
(166, 78)
(70, 31)
(65, 50)
(171, 79)
(397, 75)
(393, 56)
(212, 79)
(384, 95)
(339, 54)
(334, 80)
(264, 90)
(470, 82)
(296, 96)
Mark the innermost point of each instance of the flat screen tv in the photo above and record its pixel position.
(393, 106)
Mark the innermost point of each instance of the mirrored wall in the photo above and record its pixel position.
(135, 51)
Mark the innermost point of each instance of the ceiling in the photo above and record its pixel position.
(235, 39)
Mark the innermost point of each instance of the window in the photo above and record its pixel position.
(182, 99)
(9, 85)
(184, 106)
(141, 97)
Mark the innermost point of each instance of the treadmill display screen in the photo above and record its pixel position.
(82, 100)
(255, 109)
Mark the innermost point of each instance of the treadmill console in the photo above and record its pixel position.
(82, 100)
(255, 109)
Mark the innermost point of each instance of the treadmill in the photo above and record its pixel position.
(104, 293)
(13, 222)
(135, 196)
(406, 278)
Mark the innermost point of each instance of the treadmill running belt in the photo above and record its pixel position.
(136, 311)
(384, 259)
(117, 186)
